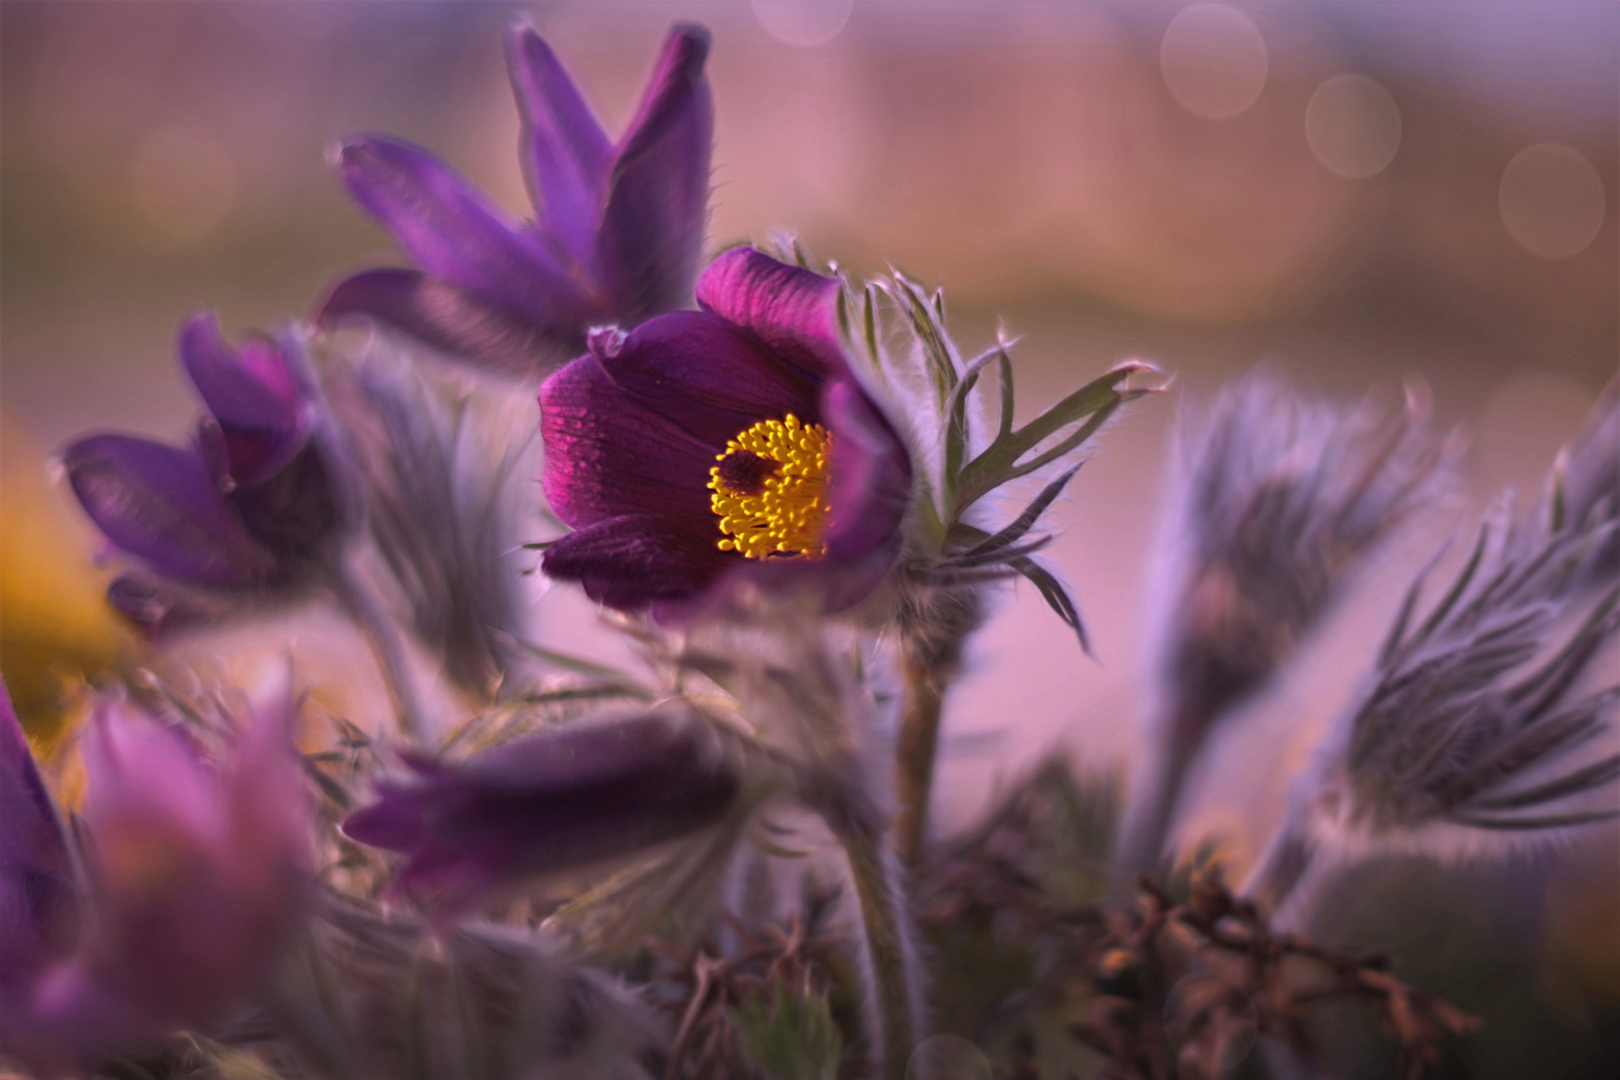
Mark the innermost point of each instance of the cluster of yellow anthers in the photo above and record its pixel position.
(770, 490)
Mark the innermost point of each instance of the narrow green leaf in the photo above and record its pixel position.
(574, 663)
(1025, 521)
(1056, 597)
(1004, 429)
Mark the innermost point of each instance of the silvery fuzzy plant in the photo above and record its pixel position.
(1484, 724)
(795, 498)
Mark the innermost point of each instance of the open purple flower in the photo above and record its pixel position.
(708, 441)
(571, 795)
(255, 504)
(619, 227)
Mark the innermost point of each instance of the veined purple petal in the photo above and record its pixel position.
(453, 320)
(254, 395)
(36, 874)
(791, 309)
(160, 504)
(637, 560)
(565, 152)
(658, 194)
(608, 456)
(710, 378)
(568, 796)
(455, 233)
(296, 513)
(870, 476)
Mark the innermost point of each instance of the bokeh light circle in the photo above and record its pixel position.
(1353, 127)
(807, 23)
(1214, 61)
(948, 1057)
(1552, 200)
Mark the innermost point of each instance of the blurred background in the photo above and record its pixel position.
(1358, 192)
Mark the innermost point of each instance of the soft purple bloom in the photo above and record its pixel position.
(570, 795)
(194, 872)
(640, 438)
(618, 231)
(38, 901)
(254, 504)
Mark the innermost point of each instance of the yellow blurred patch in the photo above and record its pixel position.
(56, 629)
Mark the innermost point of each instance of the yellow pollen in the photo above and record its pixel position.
(785, 514)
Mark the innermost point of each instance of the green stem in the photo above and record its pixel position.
(892, 990)
(915, 753)
(357, 598)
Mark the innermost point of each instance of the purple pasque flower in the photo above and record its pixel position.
(255, 504)
(570, 795)
(618, 231)
(193, 872)
(706, 442)
(38, 894)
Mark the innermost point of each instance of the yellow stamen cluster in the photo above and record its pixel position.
(786, 514)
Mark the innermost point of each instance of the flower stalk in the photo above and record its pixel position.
(892, 989)
(360, 602)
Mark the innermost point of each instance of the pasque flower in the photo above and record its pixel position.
(38, 901)
(255, 504)
(192, 872)
(706, 441)
(619, 227)
(573, 794)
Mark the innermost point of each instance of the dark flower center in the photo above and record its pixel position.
(743, 472)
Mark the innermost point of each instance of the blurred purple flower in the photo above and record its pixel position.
(708, 440)
(571, 795)
(38, 901)
(254, 505)
(619, 226)
(194, 874)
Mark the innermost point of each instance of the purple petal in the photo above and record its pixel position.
(791, 309)
(297, 513)
(571, 795)
(254, 395)
(455, 233)
(637, 560)
(658, 195)
(710, 378)
(36, 875)
(160, 504)
(565, 151)
(608, 456)
(870, 476)
(160, 608)
(453, 320)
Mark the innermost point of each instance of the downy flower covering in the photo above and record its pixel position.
(1280, 497)
(707, 441)
(257, 505)
(619, 228)
(1477, 721)
(573, 794)
(193, 873)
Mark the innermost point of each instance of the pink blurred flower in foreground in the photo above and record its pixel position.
(192, 871)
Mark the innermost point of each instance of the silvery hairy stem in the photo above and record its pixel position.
(359, 601)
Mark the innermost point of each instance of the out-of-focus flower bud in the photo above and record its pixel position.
(256, 507)
(1278, 499)
(194, 872)
(568, 796)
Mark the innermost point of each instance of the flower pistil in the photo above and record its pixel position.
(770, 490)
